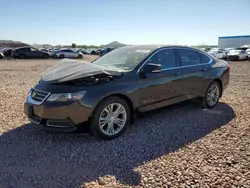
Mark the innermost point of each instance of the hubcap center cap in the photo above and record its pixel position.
(112, 119)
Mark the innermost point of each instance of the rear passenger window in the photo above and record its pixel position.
(189, 57)
(204, 58)
(164, 57)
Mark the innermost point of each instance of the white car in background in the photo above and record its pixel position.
(66, 53)
(218, 53)
(248, 51)
(237, 55)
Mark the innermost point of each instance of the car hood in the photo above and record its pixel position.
(233, 53)
(68, 70)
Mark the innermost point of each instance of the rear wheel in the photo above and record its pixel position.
(45, 56)
(22, 56)
(61, 56)
(237, 58)
(212, 95)
(110, 118)
(79, 56)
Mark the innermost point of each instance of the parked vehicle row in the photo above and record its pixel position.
(95, 51)
(31, 52)
(237, 55)
(45, 53)
(230, 53)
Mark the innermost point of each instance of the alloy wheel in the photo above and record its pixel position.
(112, 119)
(213, 95)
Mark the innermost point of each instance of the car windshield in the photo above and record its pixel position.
(125, 58)
(213, 50)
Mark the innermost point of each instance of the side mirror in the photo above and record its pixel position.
(152, 68)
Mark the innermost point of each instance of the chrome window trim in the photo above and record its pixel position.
(165, 48)
(32, 101)
(176, 48)
(198, 51)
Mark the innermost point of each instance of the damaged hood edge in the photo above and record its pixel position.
(68, 70)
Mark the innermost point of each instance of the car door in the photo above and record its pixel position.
(244, 55)
(35, 53)
(195, 67)
(69, 53)
(161, 88)
(74, 54)
(26, 52)
(66, 53)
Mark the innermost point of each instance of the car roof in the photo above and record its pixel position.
(22, 47)
(155, 47)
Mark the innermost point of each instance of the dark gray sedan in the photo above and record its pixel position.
(29, 52)
(109, 91)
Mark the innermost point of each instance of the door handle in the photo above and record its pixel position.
(177, 74)
(203, 69)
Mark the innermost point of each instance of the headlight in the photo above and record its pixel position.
(64, 97)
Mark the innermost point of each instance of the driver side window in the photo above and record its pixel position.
(166, 58)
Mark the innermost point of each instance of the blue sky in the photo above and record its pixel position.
(186, 22)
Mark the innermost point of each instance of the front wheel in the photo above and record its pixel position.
(45, 56)
(110, 118)
(212, 95)
(62, 56)
(22, 56)
(79, 56)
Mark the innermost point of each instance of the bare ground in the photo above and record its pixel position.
(178, 146)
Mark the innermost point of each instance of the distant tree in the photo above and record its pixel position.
(73, 45)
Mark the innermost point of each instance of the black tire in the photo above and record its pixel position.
(94, 122)
(21, 56)
(237, 58)
(79, 56)
(204, 101)
(45, 56)
(62, 56)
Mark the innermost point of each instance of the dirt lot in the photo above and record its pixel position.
(178, 146)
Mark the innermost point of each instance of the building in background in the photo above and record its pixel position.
(233, 41)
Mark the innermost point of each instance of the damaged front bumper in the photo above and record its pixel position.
(62, 117)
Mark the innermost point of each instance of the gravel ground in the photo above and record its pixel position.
(178, 146)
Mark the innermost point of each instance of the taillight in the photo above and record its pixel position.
(228, 67)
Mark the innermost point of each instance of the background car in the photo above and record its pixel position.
(45, 50)
(205, 49)
(66, 53)
(237, 55)
(248, 52)
(6, 52)
(83, 51)
(29, 52)
(1, 55)
(218, 53)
